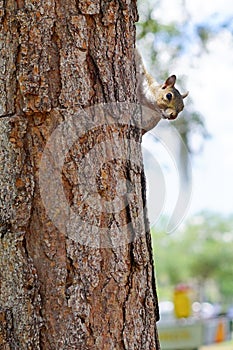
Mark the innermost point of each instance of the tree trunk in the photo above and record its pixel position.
(75, 255)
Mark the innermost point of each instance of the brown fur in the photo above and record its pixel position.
(165, 97)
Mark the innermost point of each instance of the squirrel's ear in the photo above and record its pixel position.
(170, 82)
(185, 95)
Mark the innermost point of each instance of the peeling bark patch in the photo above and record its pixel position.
(89, 7)
(78, 28)
(8, 49)
(16, 182)
(19, 319)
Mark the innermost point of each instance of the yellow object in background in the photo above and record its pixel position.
(182, 301)
(220, 333)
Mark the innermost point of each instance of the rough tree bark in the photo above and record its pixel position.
(57, 291)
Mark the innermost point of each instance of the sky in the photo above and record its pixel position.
(213, 169)
(209, 81)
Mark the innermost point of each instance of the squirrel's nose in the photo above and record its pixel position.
(173, 115)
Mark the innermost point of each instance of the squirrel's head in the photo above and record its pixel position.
(169, 100)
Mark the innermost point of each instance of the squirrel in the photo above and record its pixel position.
(164, 99)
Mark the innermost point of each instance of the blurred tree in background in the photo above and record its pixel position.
(164, 42)
(200, 253)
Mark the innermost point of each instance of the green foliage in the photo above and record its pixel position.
(199, 253)
(153, 26)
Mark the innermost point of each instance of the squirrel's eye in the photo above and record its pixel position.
(169, 96)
